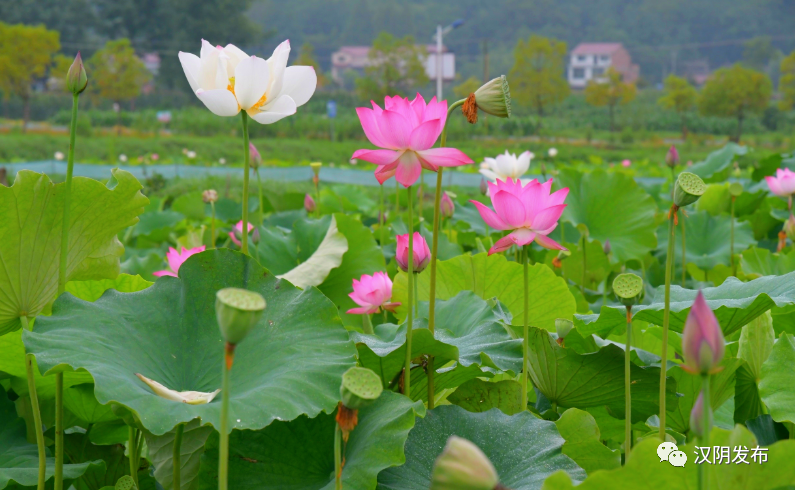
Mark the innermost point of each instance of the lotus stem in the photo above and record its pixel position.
(131, 450)
(410, 319)
(381, 220)
(684, 253)
(397, 198)
(177, 456)
(34, 404)
(223, 449)
(734, 265)
(261, 201)
(669, 259)
(584, 266)
(337, 457)
(525, 330)
(317, 197)
(703, 475)
(421, 194)
(135, 445)
(367, 324)
(627, 390)
(416, 301)
(246, 166)
(212, 226)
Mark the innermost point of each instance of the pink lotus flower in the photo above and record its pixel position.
(697, 416)
(309, 204)
(446, 206)
(702, 340)
(175, 259)
(237, 233)
(530, 211)
(372, 293)
(672, 157)
(422, 254)
(255, 157)
(626, 163)
(406, 131)
(783, 184)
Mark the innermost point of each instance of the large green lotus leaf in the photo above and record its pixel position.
(299, 454)
(161, 454)
(591, 380)
(494, 276)
(597, 264)
(290, 364)
(93, 290)
(756, 343)
(708, 239)
(156, 225)
(191, 205)
(734, 302)
(717, 161)
(325, 257)
(468, 330)
(757, 262)
(524, 449)
(643, 468)
(116, 463)
(717, 199)
(613, 207)
(19, 460)
(143, 266)
(444, 381)
(478, 395)
(31, 213)
(80, 400)
(747, 403)
(777, 385)
(584, 442)
(721, 389)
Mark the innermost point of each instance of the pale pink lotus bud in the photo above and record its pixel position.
(783, 184)
(256, 158)
(606, 247)
(702, 341)
(209, 196)
(446, 206)
(626, 163)
(422, 254)
(697, 416)
(309, 204)
(484, 188)
(76, 79)
(672, 157)
(372, 293)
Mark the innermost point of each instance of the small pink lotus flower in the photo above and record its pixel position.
(175, 259)
(446, 206)
(530, 211)
(309, 204)
(406, 131)
(702, 340)
(697, 416)
(422, 254)
(672, 157)
(626, 163)
(783, 184)
(256, 158)
(155, 157)
(237, 233)
(372, 293)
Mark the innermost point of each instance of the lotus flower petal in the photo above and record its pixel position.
(189, 397)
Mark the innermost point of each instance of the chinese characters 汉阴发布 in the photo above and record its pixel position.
(723, 455)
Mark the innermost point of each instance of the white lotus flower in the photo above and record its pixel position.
(189, 397)
(506, 165)
(59, 155)
(228, 80)
(552, 152)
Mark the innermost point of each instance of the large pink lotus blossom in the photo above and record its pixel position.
(703, 345)
(530, 211)
(175, 259)
(237, 233)
(406, 131)
(783, 184)
(372, 293)
(422, 254)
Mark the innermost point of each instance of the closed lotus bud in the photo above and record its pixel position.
(309, 204)
(76, 79)
(672, 157)
(703, 345)
(563, 327)
(463, 466)
(494, 97)
(628, 288)
(484, 186)
(360, 387)
(422, 254)
(789, 228)
(689, 187)
(237, 311)
(256, 158)
(446, 206)
(697, 416)
(210, 195)
(606, 247)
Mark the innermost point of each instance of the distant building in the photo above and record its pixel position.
(696, 71)
(356, 58)
(590, 61)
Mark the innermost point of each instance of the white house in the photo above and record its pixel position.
(590, 61)
(357, 58)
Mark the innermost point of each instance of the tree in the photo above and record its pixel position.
(25, 54)
(116, 73)
(307, 58)
(396, 66)
(537, 74)
(610, 92)
(679, 96)
(467, 87)
(735, 91)
(786, 84)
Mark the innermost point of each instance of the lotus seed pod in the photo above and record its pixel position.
(126, 483)
(76, 79)
(315, 166)
(735, 189)
(360, 387)
(463, 466)
(237, 311)
(563, 327)
(628, 288)
(689, 187)
(494, 97)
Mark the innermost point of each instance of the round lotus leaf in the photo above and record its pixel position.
(360, 386)
(689, 187)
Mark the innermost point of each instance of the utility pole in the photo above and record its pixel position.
(439, 64)
(673, 62)
(485, 60)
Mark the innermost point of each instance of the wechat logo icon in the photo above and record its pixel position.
(667, 451)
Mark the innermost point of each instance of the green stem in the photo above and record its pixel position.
(421, 194)
(139, 444)
(259, 196)
(381, 219)
(416, 301)
(367, 324)
(223, 451)
(525, 331)
(34, 405)
(84, 443)
(703, 468)
(734, 266)
(627, 383)
(397, 198)
(410, 320)
(337, 457)
(59, 432)
(584, 267)
(669, 259)
(317, 198)
(177, 456)
(131, 432)
(212, 226)
(247, 165)
(684, 253)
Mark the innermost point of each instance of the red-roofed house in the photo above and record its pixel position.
(589, 61)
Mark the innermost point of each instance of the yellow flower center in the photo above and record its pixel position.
(261, 102)
(231, 88)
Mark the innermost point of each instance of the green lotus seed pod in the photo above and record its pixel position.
(315, 166)
(735, 189)
(689, 187)
(237, 311)
(628, 288)
(494, 97)
(463, 466)
(360, 387)
(563, 327)
(126, 483)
